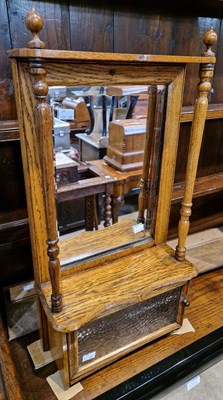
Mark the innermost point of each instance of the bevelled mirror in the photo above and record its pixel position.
(99, 137)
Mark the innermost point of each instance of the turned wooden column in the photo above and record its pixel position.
(144, 181)
(43, 122)
(200, 110)
(107, 205)
(152, 155)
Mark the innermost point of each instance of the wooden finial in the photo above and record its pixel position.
(210, 38)
(34, 23)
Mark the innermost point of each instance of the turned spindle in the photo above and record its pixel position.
(145, 179)
(43, 123)
(34, 23)
(200, 110)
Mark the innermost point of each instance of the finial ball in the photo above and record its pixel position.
(34, 21)
(210, 38)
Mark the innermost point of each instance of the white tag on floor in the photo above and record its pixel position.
(138, 228)
(56, 385)
(193, 382)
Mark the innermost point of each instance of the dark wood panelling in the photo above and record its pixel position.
(217, 95)
(56, 32)
(206, 213)
(12, 181)
(160, 31)
(91, 25)
(7, 102)
(211, 156)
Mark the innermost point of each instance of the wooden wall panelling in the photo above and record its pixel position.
(13, 201)
(56, 31)
(206, 213)
(91, 25)
(211, 156)
(162, 30)
(217, 86)
(7, 101)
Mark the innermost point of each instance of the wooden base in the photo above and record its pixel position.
(140, 295)
(204, 313)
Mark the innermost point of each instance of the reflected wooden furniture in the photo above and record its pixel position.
(76, 181)
(91, 146)
(91, 181)
(126, 141)
(123, 182)
(125, 144)
(81, 115)
(139, 291)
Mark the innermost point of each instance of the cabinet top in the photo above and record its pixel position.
(64, 55)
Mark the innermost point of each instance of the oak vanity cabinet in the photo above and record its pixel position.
(121, 286)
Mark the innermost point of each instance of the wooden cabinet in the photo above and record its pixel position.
(131, 282)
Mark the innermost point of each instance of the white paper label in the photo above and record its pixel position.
(89, 356)
(65, 113)
(138, 228)
(29, 286)
(193, 382)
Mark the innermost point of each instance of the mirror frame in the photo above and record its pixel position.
(35, 69)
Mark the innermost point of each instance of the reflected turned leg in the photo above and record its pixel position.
(117, 202)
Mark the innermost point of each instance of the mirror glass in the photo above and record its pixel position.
(100, 142)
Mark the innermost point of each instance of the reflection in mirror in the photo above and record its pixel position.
(102, 138)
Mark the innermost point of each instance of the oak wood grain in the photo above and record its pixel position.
(197, 129)
(168, 161)
(46, 54)
(125, 280)
(205, 294)
(204, 313)
(88, 244)
(113, 284)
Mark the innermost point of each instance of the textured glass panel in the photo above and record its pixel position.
(110, 333)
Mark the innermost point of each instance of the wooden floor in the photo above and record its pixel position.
(205, 315)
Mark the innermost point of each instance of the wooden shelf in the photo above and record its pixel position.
(9, 130)
(204, 314)
(205, 185)
(214, 111)
(80, 247)
(13, 218)
(116, 283)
